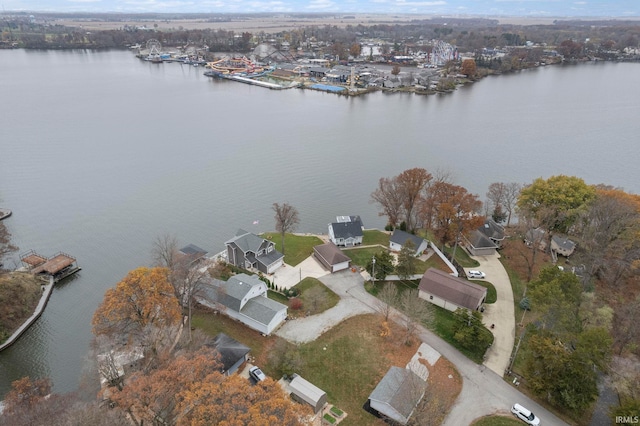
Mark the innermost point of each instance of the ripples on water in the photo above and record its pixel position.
(101, 153)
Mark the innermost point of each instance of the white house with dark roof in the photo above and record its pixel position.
(331, 257)
(397, 394)
(399, 238)
(244, 298)
(449, 292)
(346, 234)
(250, 251)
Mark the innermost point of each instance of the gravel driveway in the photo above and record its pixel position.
(302, 330)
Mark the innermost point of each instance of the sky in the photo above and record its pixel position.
(531, 8)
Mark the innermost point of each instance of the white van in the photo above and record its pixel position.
(525, 415)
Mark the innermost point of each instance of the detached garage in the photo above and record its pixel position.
(331, 257)
(307, 393)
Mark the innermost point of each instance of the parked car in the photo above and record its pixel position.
(525, 415)
(475, 274)
(257, 374)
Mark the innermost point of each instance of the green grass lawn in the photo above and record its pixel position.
(461, 256)
(329, 300)
(362, 256)
(492, 294)
(347, 362)
(373, 236)
(497, 421)
(443, 326)
(297, 247)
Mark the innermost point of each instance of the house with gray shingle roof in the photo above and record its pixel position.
(331, 257)
(244, 298)
(494, 231)
(397, 394)
(449, 292)
(232, 353)
(346, 233)
(479, 244)
(399, 238)
(250, 251)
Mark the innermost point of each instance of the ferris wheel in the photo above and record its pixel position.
(442, 53)
(154, 47)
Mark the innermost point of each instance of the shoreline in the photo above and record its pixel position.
(47, 289)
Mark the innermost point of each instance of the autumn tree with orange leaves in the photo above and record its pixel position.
(141, 309)
(457, 212)
(191, 390)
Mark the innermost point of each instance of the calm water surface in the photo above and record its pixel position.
(100, 153)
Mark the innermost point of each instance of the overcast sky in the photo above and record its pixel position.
(592, 8)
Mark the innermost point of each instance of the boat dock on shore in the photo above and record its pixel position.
(57, 267)
(4, 213)
(50, 270)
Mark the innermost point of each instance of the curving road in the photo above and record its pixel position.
(483, 391)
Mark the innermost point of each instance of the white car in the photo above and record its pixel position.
(525, 415)
(257, 374)
(475, 274)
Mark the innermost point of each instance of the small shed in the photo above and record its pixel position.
(307, 393)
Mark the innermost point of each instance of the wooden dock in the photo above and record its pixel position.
(58, 266)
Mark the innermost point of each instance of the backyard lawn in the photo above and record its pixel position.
(362, 255)
(316, 301)
(373, 236)
(297, 247)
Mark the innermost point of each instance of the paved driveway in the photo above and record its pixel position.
(287, 276)
(501, 313)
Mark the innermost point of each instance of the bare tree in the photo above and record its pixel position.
(165, 251)
(386, 299)
(188, 279)
(286, 219)
(510, 198)
(6, 247)
(390, 199)
(416, 311)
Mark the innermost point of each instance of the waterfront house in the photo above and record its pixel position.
(244, 298)
(250, 251)
(494, 231)
(331, 257)
(399, 238)
(479, 244)
(192, 253)
(449, 292)
(397, 395)
(346, 233)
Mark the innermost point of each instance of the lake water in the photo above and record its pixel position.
(100, 153)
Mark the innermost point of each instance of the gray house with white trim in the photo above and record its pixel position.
(399, 238)
(250, 251)
(244, 298)
(397, 394)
